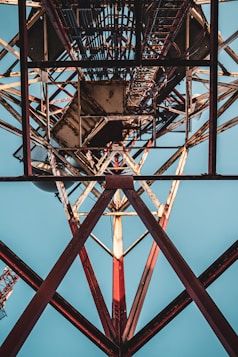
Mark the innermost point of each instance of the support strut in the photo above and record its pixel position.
(33, 311)
(195, 289)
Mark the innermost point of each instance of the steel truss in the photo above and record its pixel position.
(47, 289)
(146, 48)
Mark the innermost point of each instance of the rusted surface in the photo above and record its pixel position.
(114, 181)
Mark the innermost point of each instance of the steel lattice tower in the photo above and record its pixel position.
(8, 279)
(114, 98)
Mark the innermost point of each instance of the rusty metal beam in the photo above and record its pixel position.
(94, 286)
(57, 301)
(213, 272)
(119, 298)
(83, 255)
(119, 63)
(46, 178)
(24, 88)
(33, 311)
(212, 146)
(97, 295)
(152, 258)
(195, 289)
(141, 293)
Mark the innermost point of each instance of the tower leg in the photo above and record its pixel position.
(119, 301)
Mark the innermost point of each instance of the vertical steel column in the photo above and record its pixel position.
(119, 301)
(138, 14)
(33, 311)
(47, 102)
(194, 287)
(79, 112)
(213, 88)
(24, 88)
(188, 78)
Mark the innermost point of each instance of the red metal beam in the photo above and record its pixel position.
(143, 287)
(182, 300)
(213, 89)
(33, 311)
(94, 288)
(195, 289)
(97, 295)
(58, 302)
(119, 298)
(24, 88)
(141, 293)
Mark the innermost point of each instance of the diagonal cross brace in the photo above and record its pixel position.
(216, 269)
(86, 263)
(35, 308)
(194, 287)
(58, 302)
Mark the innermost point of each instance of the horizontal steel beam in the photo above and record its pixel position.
(120, 63)
(48, 178)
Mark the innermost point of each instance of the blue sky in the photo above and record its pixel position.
(203, 225)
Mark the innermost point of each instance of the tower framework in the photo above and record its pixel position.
(117, 104)
(7, 281)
